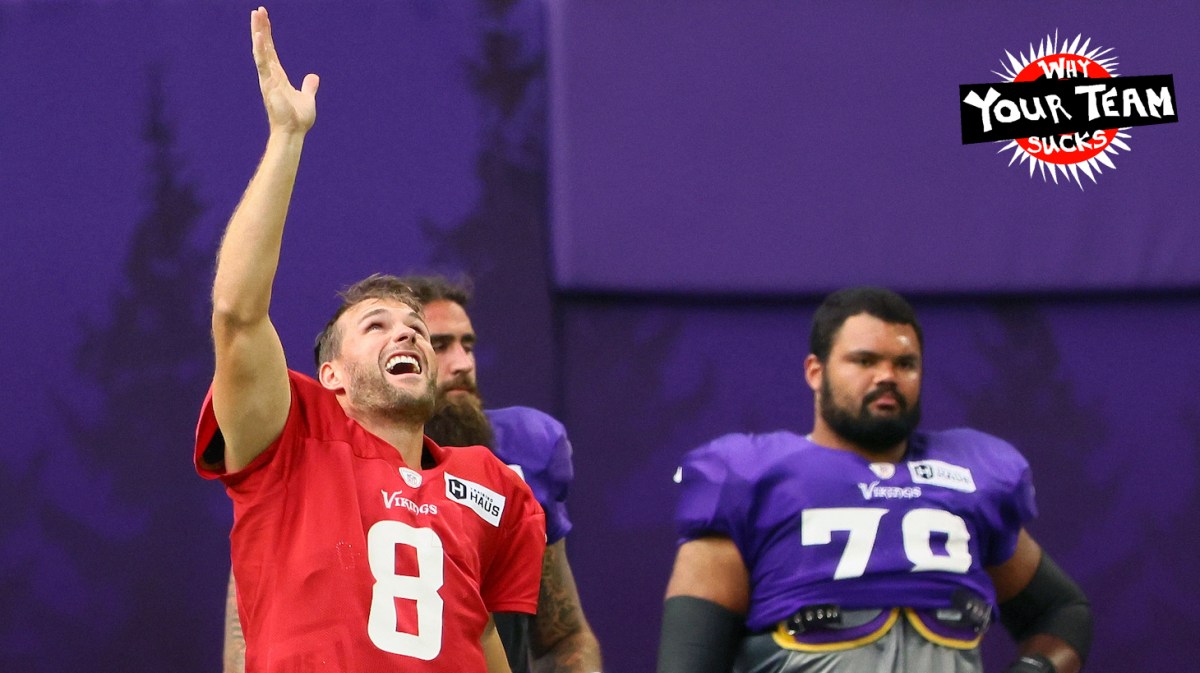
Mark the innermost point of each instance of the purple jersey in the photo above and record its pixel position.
(537, 444)
(817, 525)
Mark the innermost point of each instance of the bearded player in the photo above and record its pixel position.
(558, 637)
(865, 545)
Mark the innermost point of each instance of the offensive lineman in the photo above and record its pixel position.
(865, 545)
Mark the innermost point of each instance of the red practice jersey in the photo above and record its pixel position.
(346, 560)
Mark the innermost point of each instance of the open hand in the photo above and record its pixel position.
(287, 109)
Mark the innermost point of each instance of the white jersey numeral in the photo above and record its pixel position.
(862, 523)
(919, 526)
(423, 587)
(817, 526)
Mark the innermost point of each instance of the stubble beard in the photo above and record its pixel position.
(872, 433)
(370, 392)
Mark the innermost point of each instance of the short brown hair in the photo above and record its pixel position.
(439, 288)
(375, 286)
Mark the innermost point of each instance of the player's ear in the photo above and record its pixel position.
(814, 370)
(330, 377)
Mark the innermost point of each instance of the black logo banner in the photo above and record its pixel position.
(1048, 107)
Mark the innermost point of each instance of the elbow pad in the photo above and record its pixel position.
(1051, 604)
(698, 636)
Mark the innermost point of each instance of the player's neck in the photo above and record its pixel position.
(407, 438)
(823, 435)
(402, 431)
(408, 441)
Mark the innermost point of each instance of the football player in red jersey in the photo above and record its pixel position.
(358, 544)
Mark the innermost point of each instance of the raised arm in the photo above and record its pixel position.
(251, 395)
(561, 639)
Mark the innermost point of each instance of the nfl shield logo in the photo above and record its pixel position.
(410, 477)
(883, 470)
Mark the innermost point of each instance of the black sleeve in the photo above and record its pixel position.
(513, 629)
(1051, 604)
(698, 636)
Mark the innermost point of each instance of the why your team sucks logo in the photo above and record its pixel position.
(1062, 108)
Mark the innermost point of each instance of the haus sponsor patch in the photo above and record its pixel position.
(485, 502)
(938, 473)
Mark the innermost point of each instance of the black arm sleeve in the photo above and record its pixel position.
(1051, 604)
(513, 629)
(698, 636)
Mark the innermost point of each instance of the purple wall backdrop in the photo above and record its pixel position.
(775, 147)
(128, 130)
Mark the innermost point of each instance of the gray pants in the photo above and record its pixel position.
(900, 650)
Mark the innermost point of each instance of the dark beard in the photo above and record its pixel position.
(874, 434)
(462, 424)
